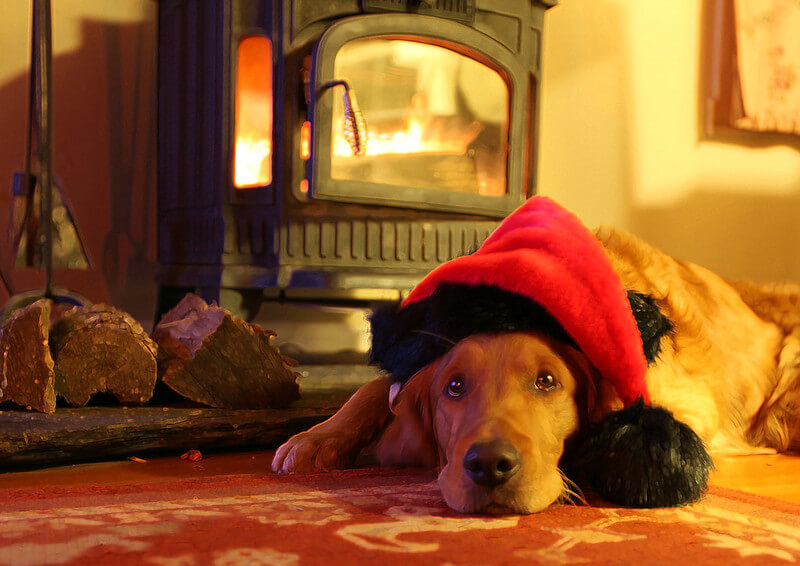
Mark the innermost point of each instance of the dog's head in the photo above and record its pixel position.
(495, 413)
(500, 413)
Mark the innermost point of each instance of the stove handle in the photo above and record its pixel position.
(355, 126)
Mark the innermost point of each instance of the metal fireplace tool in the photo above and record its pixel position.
(34, 229)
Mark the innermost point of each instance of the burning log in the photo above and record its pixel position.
(211, 357)
(100, 349)
(26, 366)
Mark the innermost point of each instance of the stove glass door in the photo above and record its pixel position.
(435, 119)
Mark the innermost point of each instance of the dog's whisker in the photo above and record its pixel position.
(576, 497)
(571, 492)
(439, 336)
(568, 496)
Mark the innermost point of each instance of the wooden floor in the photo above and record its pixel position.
(776, 476)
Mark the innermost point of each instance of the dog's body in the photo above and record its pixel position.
(733, 356)
(729, 368)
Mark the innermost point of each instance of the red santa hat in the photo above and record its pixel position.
(544, 253)
(543, 270)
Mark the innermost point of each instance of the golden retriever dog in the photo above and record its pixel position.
(502, 415)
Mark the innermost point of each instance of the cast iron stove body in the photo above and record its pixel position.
(273, 182)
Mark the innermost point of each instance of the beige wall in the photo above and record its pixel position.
(104, 130)
(620, 142)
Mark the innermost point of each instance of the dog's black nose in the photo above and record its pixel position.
(491, 462)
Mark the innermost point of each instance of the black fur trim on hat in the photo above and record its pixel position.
(404, 340)
(641, 456)
(652, 323)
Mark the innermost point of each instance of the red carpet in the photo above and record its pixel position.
(379, 517)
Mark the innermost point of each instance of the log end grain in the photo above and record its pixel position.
(100, 349)
(26, 366)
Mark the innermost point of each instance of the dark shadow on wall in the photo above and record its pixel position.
(738, 236)
(105, 155)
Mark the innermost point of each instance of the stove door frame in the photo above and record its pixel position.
(436, 31)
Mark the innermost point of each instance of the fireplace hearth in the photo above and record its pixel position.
(338, 150)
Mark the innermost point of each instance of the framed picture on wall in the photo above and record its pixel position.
(752, 67)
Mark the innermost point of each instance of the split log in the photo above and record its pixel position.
(26, 366)
(212, 357)
(100, 349)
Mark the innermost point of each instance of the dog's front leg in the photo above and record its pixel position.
(335, 443)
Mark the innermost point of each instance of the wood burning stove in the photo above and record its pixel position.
(339, 149)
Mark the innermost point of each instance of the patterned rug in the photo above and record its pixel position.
(372, 516)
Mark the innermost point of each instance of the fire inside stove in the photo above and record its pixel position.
(253, 149)
(433, 118)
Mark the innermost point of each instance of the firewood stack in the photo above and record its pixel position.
(201, 351)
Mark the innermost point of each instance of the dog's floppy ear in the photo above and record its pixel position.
(594, 395)
(409, 440)
(587, 380)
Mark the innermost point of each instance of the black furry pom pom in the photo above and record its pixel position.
(642, 456)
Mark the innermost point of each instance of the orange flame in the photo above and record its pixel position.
(252, 162)
(252, 165)
(422, 134)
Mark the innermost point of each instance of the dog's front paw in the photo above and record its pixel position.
(314, 451)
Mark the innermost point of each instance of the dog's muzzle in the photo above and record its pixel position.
(490, 463)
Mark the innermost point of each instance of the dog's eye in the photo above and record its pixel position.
(545, 382)
(455, 388)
